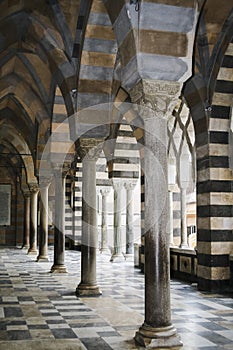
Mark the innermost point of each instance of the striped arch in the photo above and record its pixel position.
(10, 135)
(98, 55)
(146, 37)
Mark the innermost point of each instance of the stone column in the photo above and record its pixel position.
(59, 229)
(104, 230)
(170, 193)
(184, 234)
(43, 232)
(89, 153)
(117, 255)
(26, 236)
(129, 219)
(33, 220)
(157, 330)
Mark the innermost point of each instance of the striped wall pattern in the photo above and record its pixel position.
(146, 39)
(214, 178)
(98, 56)
(61, 146)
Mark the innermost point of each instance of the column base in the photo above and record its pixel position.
(158, 338)
(129, 257)
(32, 251)
(42, 258)
(105, 251)
(117, 258)
(58, 269)
(85, 290)
(184, 246)
(25, 247)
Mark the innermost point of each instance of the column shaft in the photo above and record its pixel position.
(117, 250)
(88, 284)
(104, 224)
(43, 233)
(157, 330)
(184, 237)
(171, 217)
(26, 237)
(129, 219)
(33, 222)
(59, 231)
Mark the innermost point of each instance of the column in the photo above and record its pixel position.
(117, 255)
(157, 330)
(170, 194)
(33, 219)
(88, 285)
(26, 236)
(184, 234)
(59, 230)
(43, 232)
(104, 230)
(129, 219)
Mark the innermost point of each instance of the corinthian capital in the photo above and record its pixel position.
(155, 97)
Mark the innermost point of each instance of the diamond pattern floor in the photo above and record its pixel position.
(39, 310)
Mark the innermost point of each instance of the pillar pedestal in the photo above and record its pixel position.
(158, 338)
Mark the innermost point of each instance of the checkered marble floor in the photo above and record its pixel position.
(39, 310)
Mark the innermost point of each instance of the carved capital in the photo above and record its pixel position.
(105, 191)
(89, 148)
(155, 97)
(33, 188)
(130, 185)
(118, 184)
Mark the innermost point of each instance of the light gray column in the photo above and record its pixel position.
(59, 227)
(104, 224)
(129, 219)
(184, 234)
(170, 193)
(26, 235)
(88, 285)
(43, 232)
(157, 330)
(117, 255)
(33, 220)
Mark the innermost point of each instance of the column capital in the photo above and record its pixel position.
(104, 191)
(89, 148)
(44, 181)
(131, 184)
(155, 97)
(118, 184)
(33, 188)
(26, 193)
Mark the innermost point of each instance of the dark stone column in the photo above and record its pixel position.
(59, 230)
(157, 330)
(26, 236)
(43, 232)
(88, 285)
(33, 220)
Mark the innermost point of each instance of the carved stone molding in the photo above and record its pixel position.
(89, 148)
(155, 97)
(105, 191)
